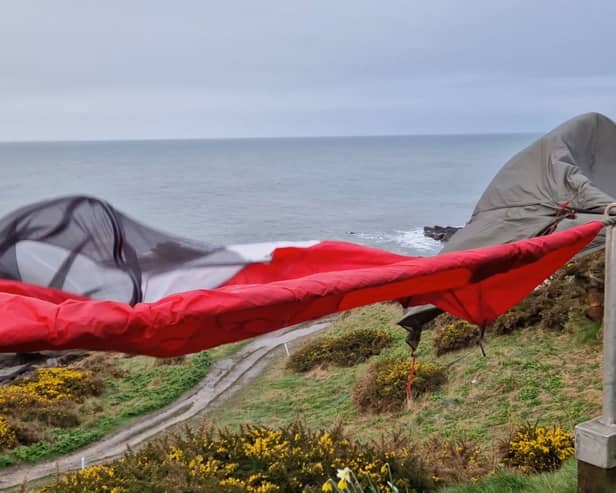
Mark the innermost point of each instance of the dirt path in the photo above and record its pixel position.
(223, 379)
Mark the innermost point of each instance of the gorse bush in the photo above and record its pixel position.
(50, 385)
(254, 459)
(455, 335)
(347, 349)
(46, 399)
(383, 387)
(455, 461)
(7, 434)
(57, 410)
(537, 448)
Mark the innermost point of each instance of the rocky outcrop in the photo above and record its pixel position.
(440, 233)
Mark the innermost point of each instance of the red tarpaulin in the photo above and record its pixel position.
(298, 285)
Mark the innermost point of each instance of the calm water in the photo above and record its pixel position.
(383, 189)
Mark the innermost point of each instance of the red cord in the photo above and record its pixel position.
(409, 383)
(563, 210)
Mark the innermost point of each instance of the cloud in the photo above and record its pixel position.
(147, 69)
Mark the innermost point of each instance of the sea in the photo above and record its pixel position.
(378, 191)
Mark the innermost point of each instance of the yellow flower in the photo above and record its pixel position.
(342, 485)
(327, 486)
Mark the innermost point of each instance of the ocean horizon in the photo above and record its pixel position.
(374, 190)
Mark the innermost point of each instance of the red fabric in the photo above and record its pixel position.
(299, 284)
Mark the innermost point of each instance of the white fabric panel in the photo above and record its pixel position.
(38, 263)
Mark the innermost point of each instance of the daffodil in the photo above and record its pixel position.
(327, 486)
(342, 485)
(344, 474)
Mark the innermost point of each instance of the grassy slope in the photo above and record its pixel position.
(528, 376)
(123, 401)
(562, 481)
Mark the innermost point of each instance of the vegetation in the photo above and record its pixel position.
(562, 481)
(457, 334)
(538, 448)
(49, 397)
(383, 386)
(58, 410)
(524, 378)
(346, 349)
(253, 459)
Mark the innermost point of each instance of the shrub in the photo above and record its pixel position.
(455, 461)
(7, 434)
(46, 399)
(346, 349)
(534, 448)
(383, 386)
(456, 335)
(254, 459)
(49, 385)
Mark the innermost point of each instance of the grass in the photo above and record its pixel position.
(164, 384)
(562, 481)
(144, 387)
(530, 375)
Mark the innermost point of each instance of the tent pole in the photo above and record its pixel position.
(595, 440)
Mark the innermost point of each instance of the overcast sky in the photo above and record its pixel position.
(192, 68)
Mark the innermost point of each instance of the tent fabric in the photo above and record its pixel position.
(85, 246)
(298, 284)
(564, 179)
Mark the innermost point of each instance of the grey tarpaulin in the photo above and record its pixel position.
(565, 178)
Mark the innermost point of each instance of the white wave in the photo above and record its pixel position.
(416, 240)
(412, 241)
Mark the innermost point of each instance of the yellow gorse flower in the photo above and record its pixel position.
(8, 438)
(536, 448)
(253, 460)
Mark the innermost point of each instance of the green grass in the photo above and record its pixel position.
(146, 387)
(528, 376)
(149, 387)
(562, 481)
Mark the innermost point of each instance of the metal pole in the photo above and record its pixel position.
(595, 440)
(609, 327)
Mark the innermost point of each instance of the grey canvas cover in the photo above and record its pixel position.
(564, 179)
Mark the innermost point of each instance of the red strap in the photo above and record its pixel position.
(409, 383)
(563, 210)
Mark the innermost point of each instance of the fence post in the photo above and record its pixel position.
(595, 440)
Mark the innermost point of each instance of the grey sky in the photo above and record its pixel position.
(191, 68)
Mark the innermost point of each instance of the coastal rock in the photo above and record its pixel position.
(440, 233)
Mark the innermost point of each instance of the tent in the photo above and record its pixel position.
(78, 274)
(564, 179)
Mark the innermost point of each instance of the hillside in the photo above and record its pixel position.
(542, 368)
